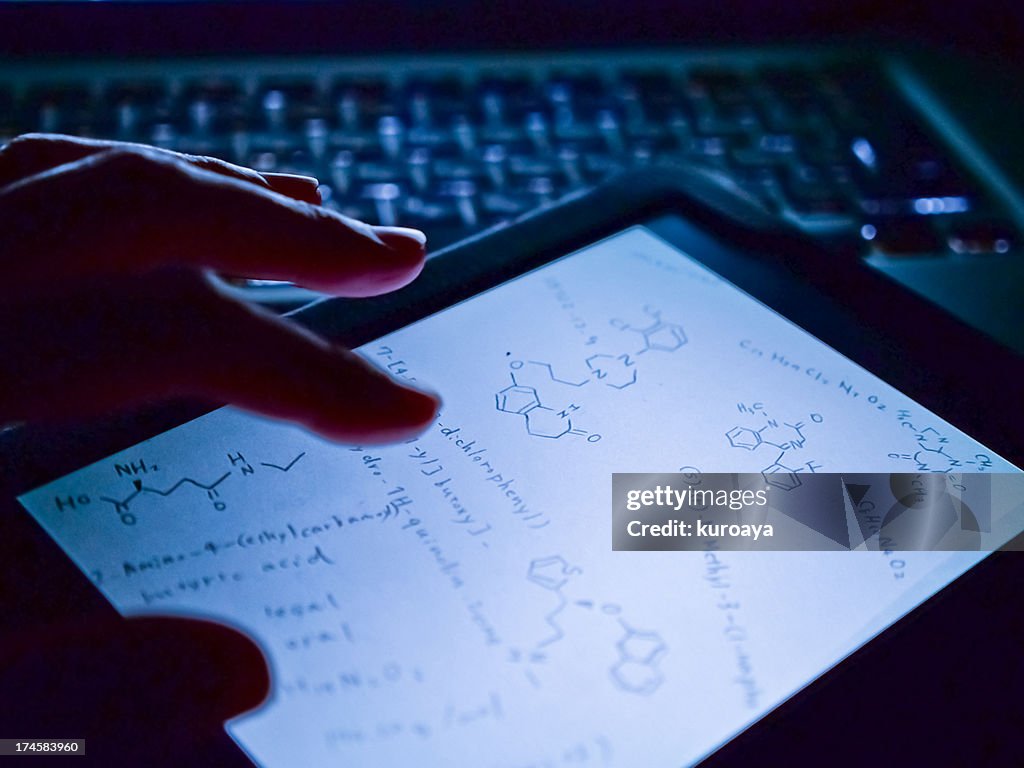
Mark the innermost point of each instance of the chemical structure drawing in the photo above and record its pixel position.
(638, 652)
(141, 475)
(552, 573)
(540, 420)
(615, 371)
(121, 506)
(781, 440)
(931, 451)
(659, 336)
(618, 371)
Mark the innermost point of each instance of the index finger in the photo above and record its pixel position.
(131, 210)
(33, 153)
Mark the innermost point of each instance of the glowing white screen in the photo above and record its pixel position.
(454, 600)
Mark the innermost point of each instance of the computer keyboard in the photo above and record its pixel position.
(454, 146)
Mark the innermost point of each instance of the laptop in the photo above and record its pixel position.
(457, 118)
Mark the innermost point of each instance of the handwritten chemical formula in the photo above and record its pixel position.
(144, 480)
(557, 415)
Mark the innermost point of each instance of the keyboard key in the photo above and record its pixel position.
(135, 104)
(225, 97)
(532, 165)
(495, 158)
(574, 97)
(317, 135)
(569, 160)
(385, 198)
(504, 205)
(429, 212)
(358, 103)
(646, 96)
(537, 130)
(275, 109)
(464, 132)
(381, 171)
(343, 172)
(436, 98)
(164, 135)
(391, 134)
(463, 193)
(420, 165)
(610, 129)
(430, 136)
(543, 190)
(507, 98)
(583, 86)
(457, 168)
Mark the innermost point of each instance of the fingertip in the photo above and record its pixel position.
(398, 257)
(235, 662)
(408, 248)
(419, 407)
(381, 430)
(396, 410)
(377, 408)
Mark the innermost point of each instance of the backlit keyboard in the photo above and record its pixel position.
(453, 147)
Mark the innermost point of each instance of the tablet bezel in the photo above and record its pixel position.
(911, 344)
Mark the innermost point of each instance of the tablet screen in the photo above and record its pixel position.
(454, 600)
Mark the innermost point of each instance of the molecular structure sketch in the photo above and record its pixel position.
(122, 506)
(617, 371)
(639, 652)
(637, 671)
(659, 336)
(782, 440)
(540, 420)
(931, 452)
(142, 474)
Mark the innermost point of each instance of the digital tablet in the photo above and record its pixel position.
(454, 600)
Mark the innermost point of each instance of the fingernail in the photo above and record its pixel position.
(292, 178)
(402, 238)
(295, 185)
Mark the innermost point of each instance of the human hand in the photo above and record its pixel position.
(141, 691)
(108, 251)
